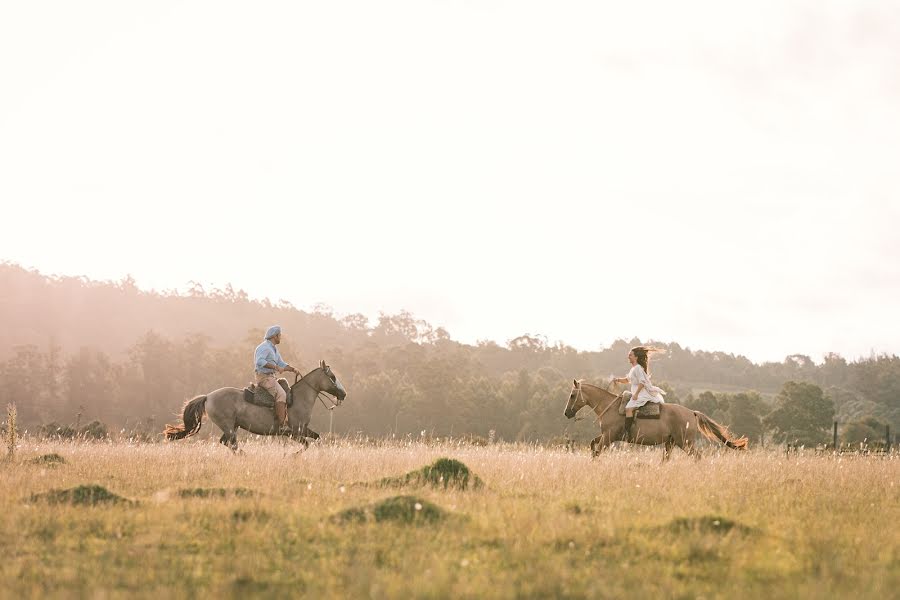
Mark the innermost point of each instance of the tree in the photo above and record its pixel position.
(803, 413)
(707, 403)
(744, 414)
(24, 383)
(90, 385)
(867, 430)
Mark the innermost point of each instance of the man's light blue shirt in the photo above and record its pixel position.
(267, 353)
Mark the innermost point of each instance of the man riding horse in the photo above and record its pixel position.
(267, 362)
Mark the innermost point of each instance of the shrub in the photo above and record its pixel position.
(49, 460)
(83, 495)
(444, 472)
(400, 509)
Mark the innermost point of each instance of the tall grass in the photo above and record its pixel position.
(546, 523)
(11, 432)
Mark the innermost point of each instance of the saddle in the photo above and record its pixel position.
(256, 394)
(647, 411)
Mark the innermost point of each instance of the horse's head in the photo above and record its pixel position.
(324, 379)
(576, 399)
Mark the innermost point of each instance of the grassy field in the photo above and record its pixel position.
(546, 523)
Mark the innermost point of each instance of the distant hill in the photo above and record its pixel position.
(131, 339)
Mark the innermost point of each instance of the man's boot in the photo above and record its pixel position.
(281, 419)
(629, 421)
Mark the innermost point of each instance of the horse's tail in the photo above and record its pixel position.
(193, 418)
(713, 430)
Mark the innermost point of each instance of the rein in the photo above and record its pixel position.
(605, 410)
(318, 392)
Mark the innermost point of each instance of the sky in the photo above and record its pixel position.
(719, 174)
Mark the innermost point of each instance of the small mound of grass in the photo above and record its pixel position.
(48, 460)
(243, 516)
(215, 493)
(707, 524)
(576, 509)
(398, 509)
(444, 472)
(83, 495)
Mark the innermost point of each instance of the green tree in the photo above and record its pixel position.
(867, 430)
(802, 413)
(744, 414)
(707, 403)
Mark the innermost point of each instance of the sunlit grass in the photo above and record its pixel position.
(546, 523)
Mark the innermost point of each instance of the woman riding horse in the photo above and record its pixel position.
(642, 391)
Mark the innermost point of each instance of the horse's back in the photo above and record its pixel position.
(223, 399)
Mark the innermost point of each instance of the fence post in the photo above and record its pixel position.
(835, 436)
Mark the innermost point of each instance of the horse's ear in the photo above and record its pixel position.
(575, 382)
(322, 364)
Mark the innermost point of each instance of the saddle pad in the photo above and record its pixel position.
(256, 394)
(647, 411)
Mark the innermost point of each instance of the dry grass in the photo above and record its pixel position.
(545, 524)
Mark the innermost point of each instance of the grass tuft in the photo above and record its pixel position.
(707, 524)
(48, 460)
(11, 431)
(215, 493)
(83, 495)
(398, 509)
(243, 516)
(444, 472)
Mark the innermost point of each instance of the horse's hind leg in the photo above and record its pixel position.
(691, 448)
(229, 440)
(224, 420)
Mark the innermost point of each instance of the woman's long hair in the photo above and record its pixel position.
(642, 354)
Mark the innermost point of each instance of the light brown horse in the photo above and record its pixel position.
(677, 425)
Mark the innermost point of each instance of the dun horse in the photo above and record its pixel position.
(677, 425)
(228, 409)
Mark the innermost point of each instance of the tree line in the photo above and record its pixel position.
(76, 351)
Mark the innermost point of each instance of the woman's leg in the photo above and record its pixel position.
(629, 421)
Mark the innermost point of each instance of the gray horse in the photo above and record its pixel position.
(228, 409)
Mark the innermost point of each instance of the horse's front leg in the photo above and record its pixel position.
(300, 434)
(599, 443)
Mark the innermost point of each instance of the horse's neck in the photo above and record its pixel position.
(599, 399)
(305, 392)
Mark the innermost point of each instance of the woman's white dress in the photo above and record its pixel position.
(649, 393)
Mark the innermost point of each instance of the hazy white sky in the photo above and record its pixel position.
(720, 174)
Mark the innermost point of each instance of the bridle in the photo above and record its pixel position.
(580, 394)
(319, 393)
